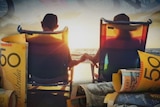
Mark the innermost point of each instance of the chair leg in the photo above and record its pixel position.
(45, 99)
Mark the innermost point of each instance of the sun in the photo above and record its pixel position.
(80, 37)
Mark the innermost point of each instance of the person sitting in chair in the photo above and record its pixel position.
(49, 57)
(121, 51)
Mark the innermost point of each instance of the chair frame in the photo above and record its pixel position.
(59, 88)
(104, 21)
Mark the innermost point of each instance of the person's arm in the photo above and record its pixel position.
(96, 57)
(76, 62)
(93, 59)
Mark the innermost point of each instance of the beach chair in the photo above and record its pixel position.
(106, 32)
(49, 92)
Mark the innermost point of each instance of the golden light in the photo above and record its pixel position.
(82, 35)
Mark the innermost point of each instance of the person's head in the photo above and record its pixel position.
(123, 29)
(49, 22)
(121, 17)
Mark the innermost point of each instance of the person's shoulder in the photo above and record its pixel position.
(112, 41)
(32, 38)
(118, 43)
(135, 41)
(44, 39)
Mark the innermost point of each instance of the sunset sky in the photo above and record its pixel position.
(83, 16)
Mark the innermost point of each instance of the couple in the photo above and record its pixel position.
(40, 63)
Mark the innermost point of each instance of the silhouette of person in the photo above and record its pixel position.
(120, 52)
(49, 57)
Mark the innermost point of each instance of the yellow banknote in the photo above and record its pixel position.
(147, 78)
(126, 80)
(13, 61)
(149, 73)
(7, 98)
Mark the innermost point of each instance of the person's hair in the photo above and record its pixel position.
(50, 21)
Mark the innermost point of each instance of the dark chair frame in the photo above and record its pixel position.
(103, 23)
(58, 88)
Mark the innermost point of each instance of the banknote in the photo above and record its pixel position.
(95, 93)
(1, 79)
(126, 80)
(149, 79)
(13, 60)
(136, 99)
(7, 98)
(145, 78)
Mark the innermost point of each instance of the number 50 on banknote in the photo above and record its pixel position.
(146, 78)
(149, 72)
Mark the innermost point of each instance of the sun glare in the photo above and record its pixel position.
(82, 35)
(82, 38)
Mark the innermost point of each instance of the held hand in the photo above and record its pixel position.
(87, 56)
(75, 62)
(92, 59)
(95, 64)
(83, 57)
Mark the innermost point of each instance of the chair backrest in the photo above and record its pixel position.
(52, 60)
(48, 61)
(116, 54)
